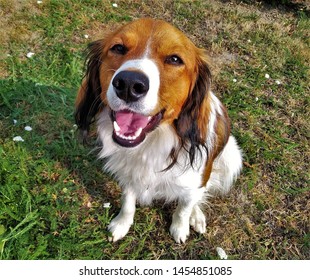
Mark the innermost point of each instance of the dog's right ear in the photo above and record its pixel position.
(88, 100)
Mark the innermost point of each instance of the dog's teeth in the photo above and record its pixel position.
(116, 127)
(129, 137)
(138, 132)
(149, 118)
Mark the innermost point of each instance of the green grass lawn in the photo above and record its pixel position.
(53, 189)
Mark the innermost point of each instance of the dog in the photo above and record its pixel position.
(165, 135)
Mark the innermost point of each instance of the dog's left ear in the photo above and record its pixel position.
(88, 100)
(190, 125)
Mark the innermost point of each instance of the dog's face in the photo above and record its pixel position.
(147, 72)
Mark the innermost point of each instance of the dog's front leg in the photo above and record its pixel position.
(179, 228)
(120, 225)
(187, 212)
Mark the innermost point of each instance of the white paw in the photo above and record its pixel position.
(198, 220)
(119, 227)
(179, 231)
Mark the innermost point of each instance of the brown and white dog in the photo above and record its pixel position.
(164, 134)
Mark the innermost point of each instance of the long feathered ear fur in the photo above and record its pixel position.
(88, 100)
(187, 126)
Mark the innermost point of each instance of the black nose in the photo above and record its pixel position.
(130, 86)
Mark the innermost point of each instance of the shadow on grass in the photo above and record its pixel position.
(49, 177)
(49, 112)
(284, 6)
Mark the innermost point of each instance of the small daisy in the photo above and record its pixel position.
(18, 139)
(106, 205)
(221, 253)
(28, 128)
(30, 54)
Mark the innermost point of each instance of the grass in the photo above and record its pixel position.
(52, 188)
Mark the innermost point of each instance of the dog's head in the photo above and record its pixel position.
(148, 73)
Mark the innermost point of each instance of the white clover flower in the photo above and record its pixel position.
(28, 128)
(106, 205)
(30, 54)
(267, 76)
(221, 253)
(278, 82)
(114, 5)
(235, 80)
(14, 122)
(18, 139)
(39, 2)
(86, 36)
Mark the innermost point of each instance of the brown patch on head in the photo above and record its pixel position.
(178, 61)
(162, 43)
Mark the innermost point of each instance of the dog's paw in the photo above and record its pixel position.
(118, 227)
(198, 220)
(179, 231)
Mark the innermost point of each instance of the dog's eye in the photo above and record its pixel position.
(119, 49)
(174, 60)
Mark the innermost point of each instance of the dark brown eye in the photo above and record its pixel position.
(119, 49)
(174, 60)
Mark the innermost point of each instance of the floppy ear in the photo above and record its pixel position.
(191, 123)
(88, 100)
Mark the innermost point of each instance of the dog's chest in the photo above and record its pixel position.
(145, 174)
(143, 168)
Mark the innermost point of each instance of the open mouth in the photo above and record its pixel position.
(130, 128)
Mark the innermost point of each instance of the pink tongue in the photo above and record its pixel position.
(129, 122)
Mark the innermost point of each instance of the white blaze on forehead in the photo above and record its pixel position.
(146, 104)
